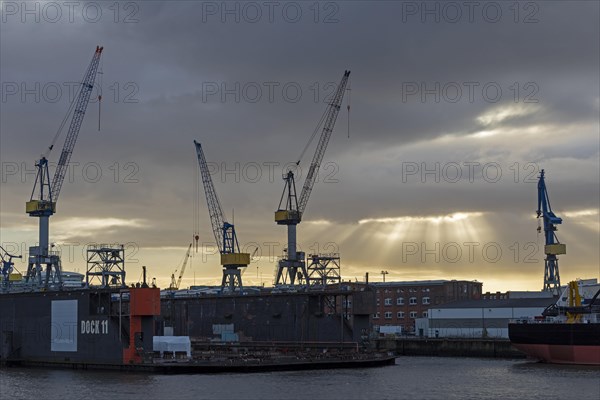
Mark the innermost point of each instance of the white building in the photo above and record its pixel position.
(479, 318)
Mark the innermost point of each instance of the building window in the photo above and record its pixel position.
(400, 314)
(388, 301)
(425, 300)
(412, 301)
(400, 301)
(413, 314)
(378, 301)
(387, 315)
(376, 315)
(425, 315)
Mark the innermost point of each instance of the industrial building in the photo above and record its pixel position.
(399, 304)
(483, 318)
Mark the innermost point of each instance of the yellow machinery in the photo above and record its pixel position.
(574, 301)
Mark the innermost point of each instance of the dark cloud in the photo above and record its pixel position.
(181, 73)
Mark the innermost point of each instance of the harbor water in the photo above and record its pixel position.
(411, 378)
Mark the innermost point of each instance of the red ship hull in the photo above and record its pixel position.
(562, 354)
(558, 343)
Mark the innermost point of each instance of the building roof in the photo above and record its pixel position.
(418, 283)
(499, 303)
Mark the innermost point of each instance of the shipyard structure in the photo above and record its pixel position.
(118, 327)
(318, 316)
(51, 317)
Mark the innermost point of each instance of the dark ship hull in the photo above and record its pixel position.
(558, 342)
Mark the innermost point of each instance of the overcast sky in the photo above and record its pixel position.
(455, 107)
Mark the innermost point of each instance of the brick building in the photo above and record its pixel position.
(400, 303)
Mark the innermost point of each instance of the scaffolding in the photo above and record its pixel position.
(105, 265)
(324, 269)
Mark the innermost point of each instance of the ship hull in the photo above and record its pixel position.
(558, 343)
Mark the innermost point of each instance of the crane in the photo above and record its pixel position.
(43, 203)
(175, 285)
(225, 236)
(7, 266)
(291, 208)
(552, 246)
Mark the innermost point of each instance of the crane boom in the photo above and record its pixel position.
(330, 119)
(217, 217)
(80, 106)
(187, 256)
(552, 246)
(231, 258)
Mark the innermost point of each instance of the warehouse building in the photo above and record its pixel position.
(484, 318)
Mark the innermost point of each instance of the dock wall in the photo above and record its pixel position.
(450, 347)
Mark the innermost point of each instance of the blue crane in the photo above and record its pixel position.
(43, 203)
(231, 257)
(291, 208)
(552, 246)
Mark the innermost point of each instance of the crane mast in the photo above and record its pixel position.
(43, 205)
(291, 208)
(552, 246)
(225, 236)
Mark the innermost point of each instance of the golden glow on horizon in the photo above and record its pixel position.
(86, 227)
(98, 223)
(318, 222)
(434, 219)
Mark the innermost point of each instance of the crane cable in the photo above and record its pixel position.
(64, 121)
(320, 123)
(349, 89)
(196, 212)
(317, 128)
(99, 87)
(70, 111)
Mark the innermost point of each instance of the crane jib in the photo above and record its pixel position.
(81, 103)
(63, 157)
(330, 119)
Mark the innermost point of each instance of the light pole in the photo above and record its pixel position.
(383, 274)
